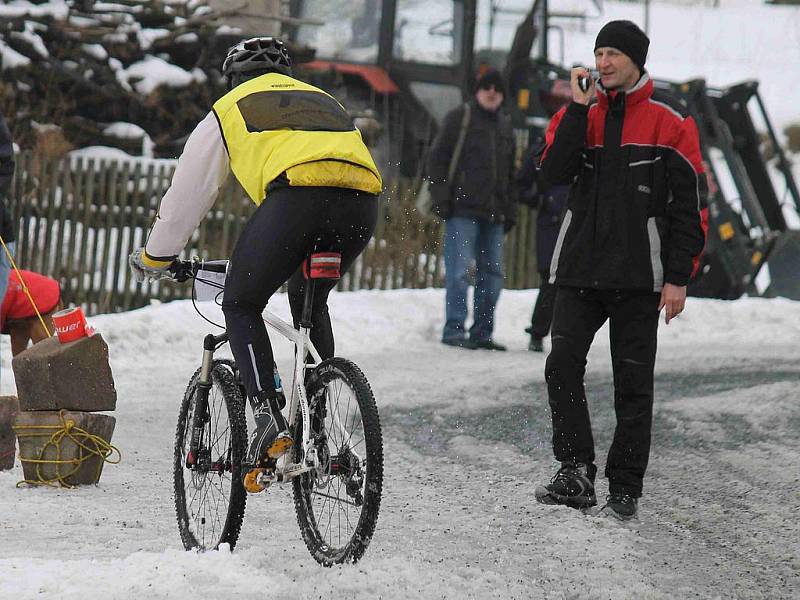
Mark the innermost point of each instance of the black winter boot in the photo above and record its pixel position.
(536, 344)
(572, 485)
(622, 506)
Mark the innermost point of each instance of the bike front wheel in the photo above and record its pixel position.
(209, 496)
(337, 505)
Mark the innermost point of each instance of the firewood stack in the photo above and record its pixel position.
(72, 75)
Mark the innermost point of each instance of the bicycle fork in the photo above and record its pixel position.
(200, 416)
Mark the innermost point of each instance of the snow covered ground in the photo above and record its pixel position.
(466, 439)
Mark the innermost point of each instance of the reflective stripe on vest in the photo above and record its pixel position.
(274, 124)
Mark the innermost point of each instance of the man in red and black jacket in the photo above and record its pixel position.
(630, 240)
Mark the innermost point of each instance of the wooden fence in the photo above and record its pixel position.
(79, 219)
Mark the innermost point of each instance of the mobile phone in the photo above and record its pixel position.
(585, 82)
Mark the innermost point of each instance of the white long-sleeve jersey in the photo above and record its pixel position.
(201, 171)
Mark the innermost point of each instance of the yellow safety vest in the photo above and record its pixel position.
(274, 124)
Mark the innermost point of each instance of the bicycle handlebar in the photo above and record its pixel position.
(183, 270)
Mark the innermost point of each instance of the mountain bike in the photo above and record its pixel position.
(335, 467)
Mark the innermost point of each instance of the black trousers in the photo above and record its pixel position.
(542, 315)
(633, 316)
(270, 251)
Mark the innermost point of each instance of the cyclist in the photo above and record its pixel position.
(295, 151)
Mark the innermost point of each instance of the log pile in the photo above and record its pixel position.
(72, 74)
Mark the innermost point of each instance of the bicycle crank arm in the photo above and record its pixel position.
(257, 480)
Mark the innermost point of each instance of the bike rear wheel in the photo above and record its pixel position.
(337, 506)
(209, 496)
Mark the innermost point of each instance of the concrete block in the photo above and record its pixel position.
(9, 407)
(73, 376)
(35, 434)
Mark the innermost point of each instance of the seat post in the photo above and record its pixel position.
(318, 265)
(308, 301)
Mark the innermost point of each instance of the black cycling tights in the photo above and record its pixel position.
(270, 250)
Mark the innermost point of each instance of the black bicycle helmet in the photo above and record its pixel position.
(256, 56)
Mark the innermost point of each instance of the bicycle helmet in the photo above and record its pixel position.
(254, 57)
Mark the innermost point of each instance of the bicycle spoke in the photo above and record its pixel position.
(345, 500)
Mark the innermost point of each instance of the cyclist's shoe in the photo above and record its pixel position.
(622, 506)
(271, 437)
(572, 485)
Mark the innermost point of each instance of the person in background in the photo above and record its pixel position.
(478, 208)
(18, 317)
(8, 228)
(631, 239)
(550, 203)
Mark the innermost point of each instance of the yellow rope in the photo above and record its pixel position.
(57, 433)
(24, 287)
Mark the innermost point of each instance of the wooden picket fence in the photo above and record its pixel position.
(80, 218)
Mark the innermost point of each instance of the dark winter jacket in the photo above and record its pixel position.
(636, 214)
(7, 227)
(550, 203)
(483, 181)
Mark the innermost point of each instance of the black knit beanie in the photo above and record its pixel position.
(626, 37)
(491, 77)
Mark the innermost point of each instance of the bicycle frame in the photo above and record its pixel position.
(301, 339)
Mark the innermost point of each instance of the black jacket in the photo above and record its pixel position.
(550, 202)
(483, 182)
(8, 228)
(636, 214)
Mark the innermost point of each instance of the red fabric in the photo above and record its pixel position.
(16, 305)
(376, 77)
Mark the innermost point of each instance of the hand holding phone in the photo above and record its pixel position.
(582, 82)
(586, 81)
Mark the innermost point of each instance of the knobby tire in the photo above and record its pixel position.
(317, 508)
(224, 489)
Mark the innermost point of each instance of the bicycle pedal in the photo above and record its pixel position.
(253, 481)
(280, 446)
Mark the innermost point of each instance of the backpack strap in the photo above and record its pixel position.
(451, 171)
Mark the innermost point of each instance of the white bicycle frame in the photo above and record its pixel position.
(301, 339)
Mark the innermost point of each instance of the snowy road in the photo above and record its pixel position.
(466, 439)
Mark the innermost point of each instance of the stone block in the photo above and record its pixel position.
(9, 407)
(52, 436)
(72, 376)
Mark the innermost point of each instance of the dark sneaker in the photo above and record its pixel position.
(622, 506)
(270, 438)
(572, 486)
(486, 345)
(458, 342)
(536, 344)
